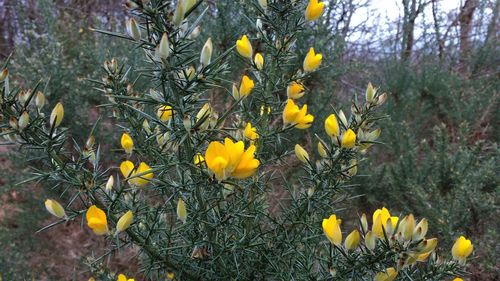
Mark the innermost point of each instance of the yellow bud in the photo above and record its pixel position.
(259, 61)
(206, 52)
(244, 47)
(349, 139)
(198, 159)
(178, 13)
(263, 4)
(55, 208)
(127, 143)
(314, 10)
(301, 153)
(364, 222)
(370, 240)
(322, 150)
(57, 115)
(331, 228)
(408, 227)
(133, 29)
(312, 60)
(462, 249)
(170, 275)
(332, 126)
(246, 86)
(370, 93)
(165, 113)
(124, 222)
(352, 240)
(181, 210)
(388, 275)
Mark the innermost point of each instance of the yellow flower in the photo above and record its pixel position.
(122, 277)
(143, 179)
(312, 60)
(170, 275)
(332, 126)
(349, 139)
(181, 210)
(127, 143)
(462, 249)
(244, 47)
(55, 208)
(301, 153)
(259, 61)
(96, 220)
(246, 86)
(57, 115)
(231, 159)
(250, 132)
(198, 159)
(295, 90)
(124, 222)
(128, 170)
(352, 240)
(458, 279)
(331, 228)
(298, 117)
(314, 10)
(388, 275)
(322, 150)
(380, 217)
(165, 113)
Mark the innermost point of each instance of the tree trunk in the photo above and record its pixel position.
(465, 20)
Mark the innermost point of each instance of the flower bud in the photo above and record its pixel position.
(235, 93)
(39, 100)
(55, 208)
(203, 117)
(370, 240)
(352, 240)
(263, 4)
(244, 47)
(408, 227)
(124, 222)
(364, 222)
(24, 120)
(127, 143)
(332, 126)
(4, 74)
(181, 210)
(57, 115)
(420, 230)
(301, 154)
(206, 53)
(163, 49)
(259, 61)
(110, 183)
(146, 127)
(381, 99)
(348, 139)
(198, 159)
(370, 93)
(133, 29)
(322, 150)
(196, 31)
(343, 119)
(246, 86)
(178, 13)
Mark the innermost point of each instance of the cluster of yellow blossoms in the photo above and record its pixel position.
(406, 232)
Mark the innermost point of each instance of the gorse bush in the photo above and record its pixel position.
(193, 189)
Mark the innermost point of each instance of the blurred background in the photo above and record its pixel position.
(437, 59)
